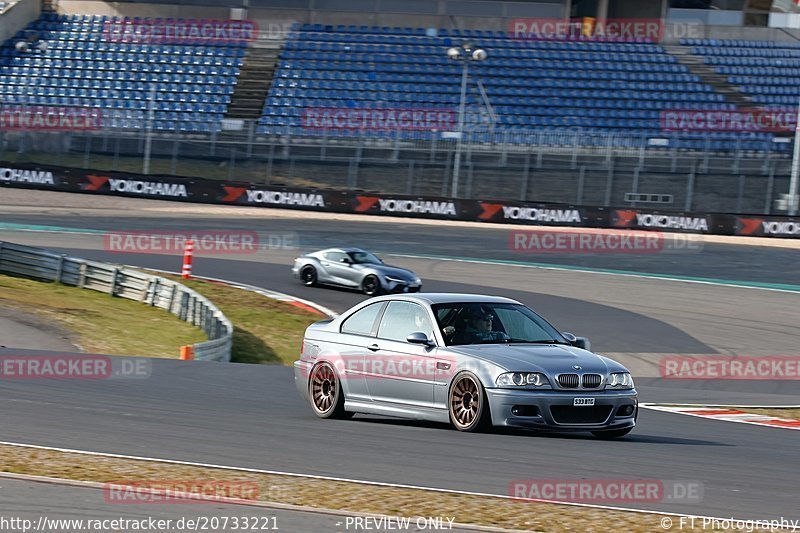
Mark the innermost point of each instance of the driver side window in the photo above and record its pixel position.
(402, 319)
(335, 257)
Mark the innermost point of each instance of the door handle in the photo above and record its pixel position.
(442, 366)
(373, 347)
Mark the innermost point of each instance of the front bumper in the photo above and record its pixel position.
(398, 287)
(302, 371)
(532, 409)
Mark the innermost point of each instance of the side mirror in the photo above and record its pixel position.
(419, 338)
(578, 342)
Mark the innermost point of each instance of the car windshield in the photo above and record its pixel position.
(493, 323)
(364, 258)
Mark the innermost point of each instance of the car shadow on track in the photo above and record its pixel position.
(632, 438)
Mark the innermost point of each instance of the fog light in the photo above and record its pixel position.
(625, 410)
(525, 410)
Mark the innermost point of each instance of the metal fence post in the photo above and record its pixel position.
(113, 289)
(581, 178)
(523, 192)
(609, 183)
(82, 275)
(770, 187)
(59, 267)
(410, 182)
(741, 194)
(171, 298)
(269, 163)
(154, 298)
(690, 188)
(635, 185)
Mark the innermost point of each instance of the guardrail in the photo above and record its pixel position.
(129, 283)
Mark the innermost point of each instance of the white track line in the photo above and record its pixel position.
(583, 271)
(347, 480)
(228, 501)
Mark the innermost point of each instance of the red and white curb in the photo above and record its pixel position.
(308, 305)
(730, 413)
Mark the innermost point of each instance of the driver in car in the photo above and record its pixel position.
(479, 327)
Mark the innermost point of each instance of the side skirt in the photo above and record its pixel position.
(415, 413)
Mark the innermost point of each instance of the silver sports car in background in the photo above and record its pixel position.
(356, 269)
(470, 360)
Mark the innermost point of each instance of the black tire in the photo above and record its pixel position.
(371, 286)
(468, 405)
(308, 275)
(611, 434)
(325, 392)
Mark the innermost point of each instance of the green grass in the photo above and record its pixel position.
(101, 323)
(265, 330)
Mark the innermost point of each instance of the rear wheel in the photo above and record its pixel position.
(371, 285)
(611, 433)
(325, 391)
(469, 409)
(309, 275)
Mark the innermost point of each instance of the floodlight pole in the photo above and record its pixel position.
(461, 109)
(795, 166)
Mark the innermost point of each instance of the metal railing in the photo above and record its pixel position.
(125, 282)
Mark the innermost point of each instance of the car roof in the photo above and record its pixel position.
(450, 297)
(346, 249)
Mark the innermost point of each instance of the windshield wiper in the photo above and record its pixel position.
(543, 341)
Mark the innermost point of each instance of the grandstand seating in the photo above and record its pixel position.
(768, 71)
(602, 87)
(83, 67)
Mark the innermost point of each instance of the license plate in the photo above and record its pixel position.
(583, 401)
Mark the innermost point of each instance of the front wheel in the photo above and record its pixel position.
(325, 391)
(371, 285)
(309, 276)
(611, 433)
(468, 406)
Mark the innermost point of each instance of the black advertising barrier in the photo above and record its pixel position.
(175, 188)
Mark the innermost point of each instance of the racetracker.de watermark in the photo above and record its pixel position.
(77, 366)
(169, 491)
(742, 120)
(772, 367)
(355, 367)
(50, 118)
(616, 29)
(378, 119)
(206, 242)
(605, 491)
(180, 31)
(617, 242)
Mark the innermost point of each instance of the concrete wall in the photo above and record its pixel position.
(17, 16)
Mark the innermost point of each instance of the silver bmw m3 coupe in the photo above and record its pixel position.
(356, 269)
(469, 360)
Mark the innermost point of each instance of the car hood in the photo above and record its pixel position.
(547, 358)
(395, 272)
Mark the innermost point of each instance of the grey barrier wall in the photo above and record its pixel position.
(124, 282)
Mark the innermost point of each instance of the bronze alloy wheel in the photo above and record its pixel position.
(325, 392)
(468, 409)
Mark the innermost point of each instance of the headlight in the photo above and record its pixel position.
(395, 280)
(620, 380)
(521, 379)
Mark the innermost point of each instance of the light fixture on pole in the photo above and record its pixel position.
(466, 53)
(793, 186)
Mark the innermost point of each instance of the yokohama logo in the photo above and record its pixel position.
(417, 206)
(16, 175)
(756, 226)
(630, 218)
(285, 198)
(541, 215)
(673, 222)
(148, 187)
